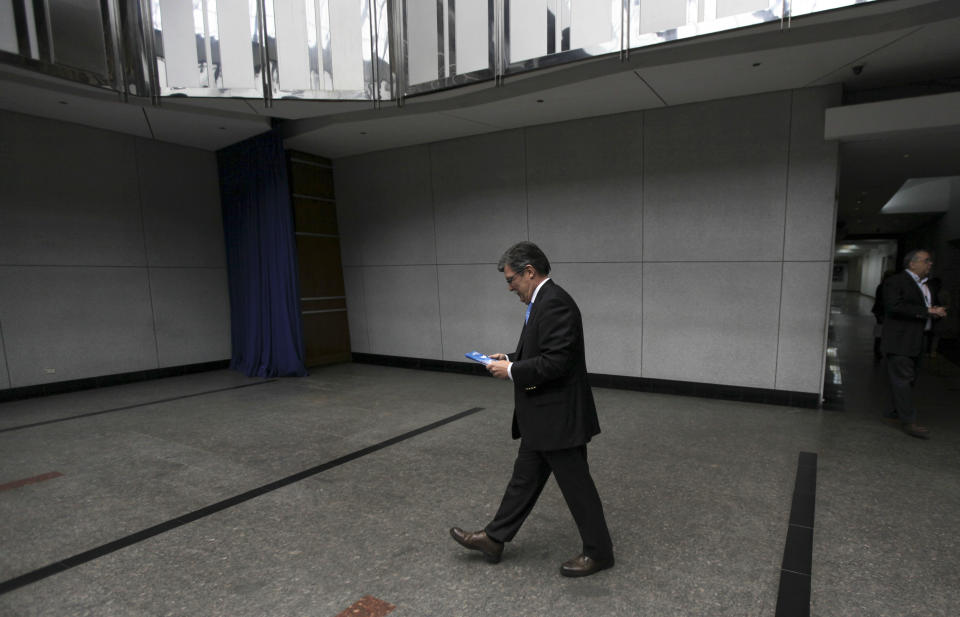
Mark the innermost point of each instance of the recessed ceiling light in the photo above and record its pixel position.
(539, 100)
(756, 64)
(62, 102)
(906, 156)
(223, 128)
(363, 132)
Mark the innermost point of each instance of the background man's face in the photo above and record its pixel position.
(921, 264)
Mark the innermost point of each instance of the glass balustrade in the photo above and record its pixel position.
(347, 49)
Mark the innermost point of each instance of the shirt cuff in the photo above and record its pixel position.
(510, 371)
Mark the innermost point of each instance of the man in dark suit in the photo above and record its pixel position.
(554, 416)
(908, 312)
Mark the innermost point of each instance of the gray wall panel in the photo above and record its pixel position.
(70, 195)
(403, 311)
(669, 227)
(610, 297)
(802, 326)
(182, 220)
(384, 208)
(711, 322)
(79, 322)
(478, 311)
(192, 312)
(813, 178)
(715, 180)
(478, 196)
(356, 309)
(585, 188)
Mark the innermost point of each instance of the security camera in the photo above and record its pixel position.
(858, 69)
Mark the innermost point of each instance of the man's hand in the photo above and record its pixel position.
(935, 311)
(498, 368)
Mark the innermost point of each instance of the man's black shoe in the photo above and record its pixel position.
(479, 541)
(915, 430)
(581, 565)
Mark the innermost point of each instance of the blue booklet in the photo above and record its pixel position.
(479, 357)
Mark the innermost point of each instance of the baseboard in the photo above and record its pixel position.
(89, 383)
(600, 380)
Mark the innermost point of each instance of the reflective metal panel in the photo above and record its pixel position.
(423, 47)
(470, 47)
(803, 7)
(77, 35)
(208, 47)
(70, 39)
(695, 17)
(448, 42)
(661, 16)
(590, 23)
(8, 29)
(726, 8)
(346, 44)
(527, 31)
(383, 74)
(237, 21)
(177, 60)
(293, 44)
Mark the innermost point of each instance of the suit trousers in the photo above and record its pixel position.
(902, 372)
(530, 474)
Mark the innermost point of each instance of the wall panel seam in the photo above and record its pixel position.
(146, 255)
(783, 244)
(643, 225)
(436, 246)
(6, 359)
(526, 181)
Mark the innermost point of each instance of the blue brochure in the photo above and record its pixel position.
(479, 357)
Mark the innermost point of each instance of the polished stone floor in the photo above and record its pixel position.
(185, 496)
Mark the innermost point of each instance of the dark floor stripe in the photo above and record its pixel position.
(33, 480)
(793, 598)
(105, 549)
(157, 402)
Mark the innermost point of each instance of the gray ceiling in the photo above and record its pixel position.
(897, 42)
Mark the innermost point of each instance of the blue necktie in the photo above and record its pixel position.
(527, 316)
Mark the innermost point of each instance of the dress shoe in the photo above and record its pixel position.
(479, 541)
(581, 565)
(915, 430)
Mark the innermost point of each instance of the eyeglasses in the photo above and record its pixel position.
(515, 275)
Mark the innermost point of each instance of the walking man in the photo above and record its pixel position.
(554, 416)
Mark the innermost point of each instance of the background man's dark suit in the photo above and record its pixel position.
(905, 316)
(554, 417)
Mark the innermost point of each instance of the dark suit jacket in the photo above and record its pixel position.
(554, 406)
(905, 315)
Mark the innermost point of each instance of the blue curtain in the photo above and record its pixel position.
(265, 330)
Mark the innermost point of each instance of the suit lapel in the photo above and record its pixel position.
(541, 295)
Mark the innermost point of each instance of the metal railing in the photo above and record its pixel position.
(367, 50)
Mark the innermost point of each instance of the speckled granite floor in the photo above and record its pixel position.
(697, 494)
